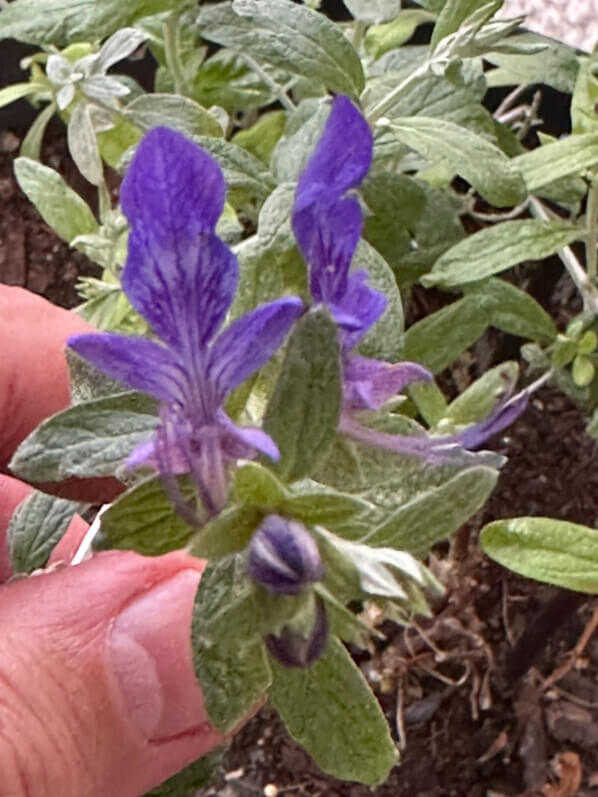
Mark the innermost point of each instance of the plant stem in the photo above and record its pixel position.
(393, 96)
(359, 28)
(588, 291)
(592, 231)
(279, 91)
(171, 50)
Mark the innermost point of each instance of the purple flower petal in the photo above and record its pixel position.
(503, 415)
(283, 557)
(244, 442)
(173, 187)
(341, 159)
(369, 383)
(362, 303)
(139, 363)
(178, 275)
(184, 293)
(328, 235)
(249, 342)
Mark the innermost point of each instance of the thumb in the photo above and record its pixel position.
(97, 686)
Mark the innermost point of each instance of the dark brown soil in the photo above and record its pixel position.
(464, 694)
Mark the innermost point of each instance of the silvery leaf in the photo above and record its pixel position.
(83, 144)
(59, 69)
(118, 47)
(104, 90)
(65, 96)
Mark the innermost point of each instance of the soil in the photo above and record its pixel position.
(465, 693)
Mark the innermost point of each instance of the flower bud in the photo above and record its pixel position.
(292, 649)
(283, 557)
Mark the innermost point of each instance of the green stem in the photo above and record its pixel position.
(279, 91)
(104, 201)
(592, 231)
(171, 49)
(393, 96)
(587, 290)
(359, 29)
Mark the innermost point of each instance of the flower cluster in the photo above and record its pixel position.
(327, 224)
(182, 279)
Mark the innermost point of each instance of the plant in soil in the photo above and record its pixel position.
(317, 222)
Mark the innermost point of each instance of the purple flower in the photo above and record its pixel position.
(327, 225)
(182, 279)
(283, 557)
(293, 649)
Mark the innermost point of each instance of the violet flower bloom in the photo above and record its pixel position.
(182, 279)
(283, 557)
(327, 225)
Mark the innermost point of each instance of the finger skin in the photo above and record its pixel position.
(34, 381)
(97, 687)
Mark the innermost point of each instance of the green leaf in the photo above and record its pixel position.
(512, 310)
(58, 205)
(87, 382)
(32, 143)
(582, 371)
(385, 339)
(379, 39)
(114, 143)
(585, 96)
(228, 653)
(257, 486)
(481, 397)
(12, 93)
(495, 249)
(261, 138)
(429, 400)
(172, 110)
(62, 22)
(227, 533)
(330, 710)
(226, 80)
(144, 520)
(472, 157)
(91, 439)
(557, 65)
(35, 528)
(436, 514)
(396, 203)
(373, 11)
(572, 155)
(245, 174)
(302, 415)
(301, 134)
(438, 339)
(452, 15)
(553, 551)
(290, 36)
(83, 143)
(187, 782)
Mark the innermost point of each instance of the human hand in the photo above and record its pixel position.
(97, 687)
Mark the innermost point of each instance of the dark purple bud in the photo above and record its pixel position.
(292, 649)
(283, 557)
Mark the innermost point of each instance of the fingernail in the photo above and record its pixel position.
(151, 655)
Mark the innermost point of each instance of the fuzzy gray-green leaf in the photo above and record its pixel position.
(91, 439)
(331, 711)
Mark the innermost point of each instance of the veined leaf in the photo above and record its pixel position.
(549, 550)
(550, 162)
(472, 157)
(172, 110)
(331, 711)
(91, 439)
(495, 249)
(58, 205)
(290, 36)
